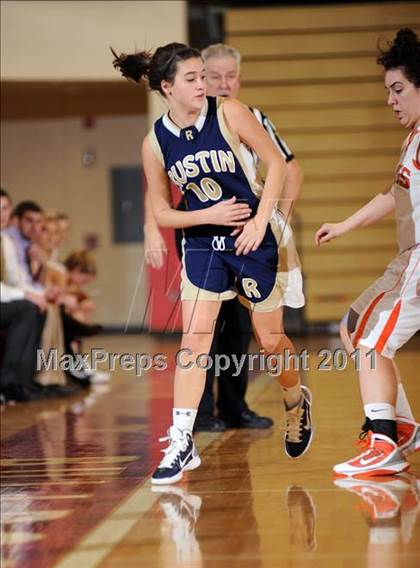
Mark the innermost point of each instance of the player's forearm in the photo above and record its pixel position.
(292, 187)
(171, 218)
(150, 222)
(274, 182)
(373, 211)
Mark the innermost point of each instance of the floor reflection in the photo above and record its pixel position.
(181, 510)
(212, 519)
(302, 518)
(390, 505)
(63, 474)
(183, 546)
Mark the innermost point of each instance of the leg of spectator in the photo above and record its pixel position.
(23, 324)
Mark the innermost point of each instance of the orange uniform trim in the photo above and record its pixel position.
(389, 327)
(365, 318)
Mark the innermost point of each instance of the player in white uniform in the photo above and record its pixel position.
(387, 314)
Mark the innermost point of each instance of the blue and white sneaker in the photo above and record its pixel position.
(299, 429)
(180, 455)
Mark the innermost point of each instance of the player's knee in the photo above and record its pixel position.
(197, 342)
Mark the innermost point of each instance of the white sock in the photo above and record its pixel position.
(184, 418)
(380, 411)
(292, 395)
(403, 407)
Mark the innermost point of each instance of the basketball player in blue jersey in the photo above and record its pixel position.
(232, 331)
(234, 235)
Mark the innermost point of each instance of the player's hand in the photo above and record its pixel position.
(328, 232)
(155, 247)
(229, 213)
(251, 236)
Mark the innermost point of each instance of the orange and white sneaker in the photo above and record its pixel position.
(408, 432)
(382, 457)
(408, 436)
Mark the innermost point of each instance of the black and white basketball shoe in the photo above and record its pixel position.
(299, 428)
(180, 455)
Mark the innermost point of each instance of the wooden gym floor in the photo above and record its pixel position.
(76, 490)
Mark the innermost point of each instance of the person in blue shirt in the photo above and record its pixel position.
(29, 218)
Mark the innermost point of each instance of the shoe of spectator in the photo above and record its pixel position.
(61, 390)
(81, 380)
(99, 377)
(35, 391)
(14, 393)
(75, 328)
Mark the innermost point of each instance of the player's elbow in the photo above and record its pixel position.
(295, 173)
(161, 216)
(276, 165)
(294, 181)
(164, 222)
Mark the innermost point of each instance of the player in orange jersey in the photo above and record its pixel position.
(387, 314)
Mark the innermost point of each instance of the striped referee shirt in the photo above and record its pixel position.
(269, 127)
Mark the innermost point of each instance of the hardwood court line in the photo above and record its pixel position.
(58, 482)
(27, 471)
(8, 462)
(23, 470)
(33, 516)
(19, 537)
(45, 497)
(47, 474)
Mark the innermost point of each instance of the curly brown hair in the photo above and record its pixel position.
(82, 260)
(403, 53)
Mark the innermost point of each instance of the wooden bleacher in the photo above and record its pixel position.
(313, 71)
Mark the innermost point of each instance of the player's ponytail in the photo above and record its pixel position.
(404, 53)
(161, 66)
(135, 66)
